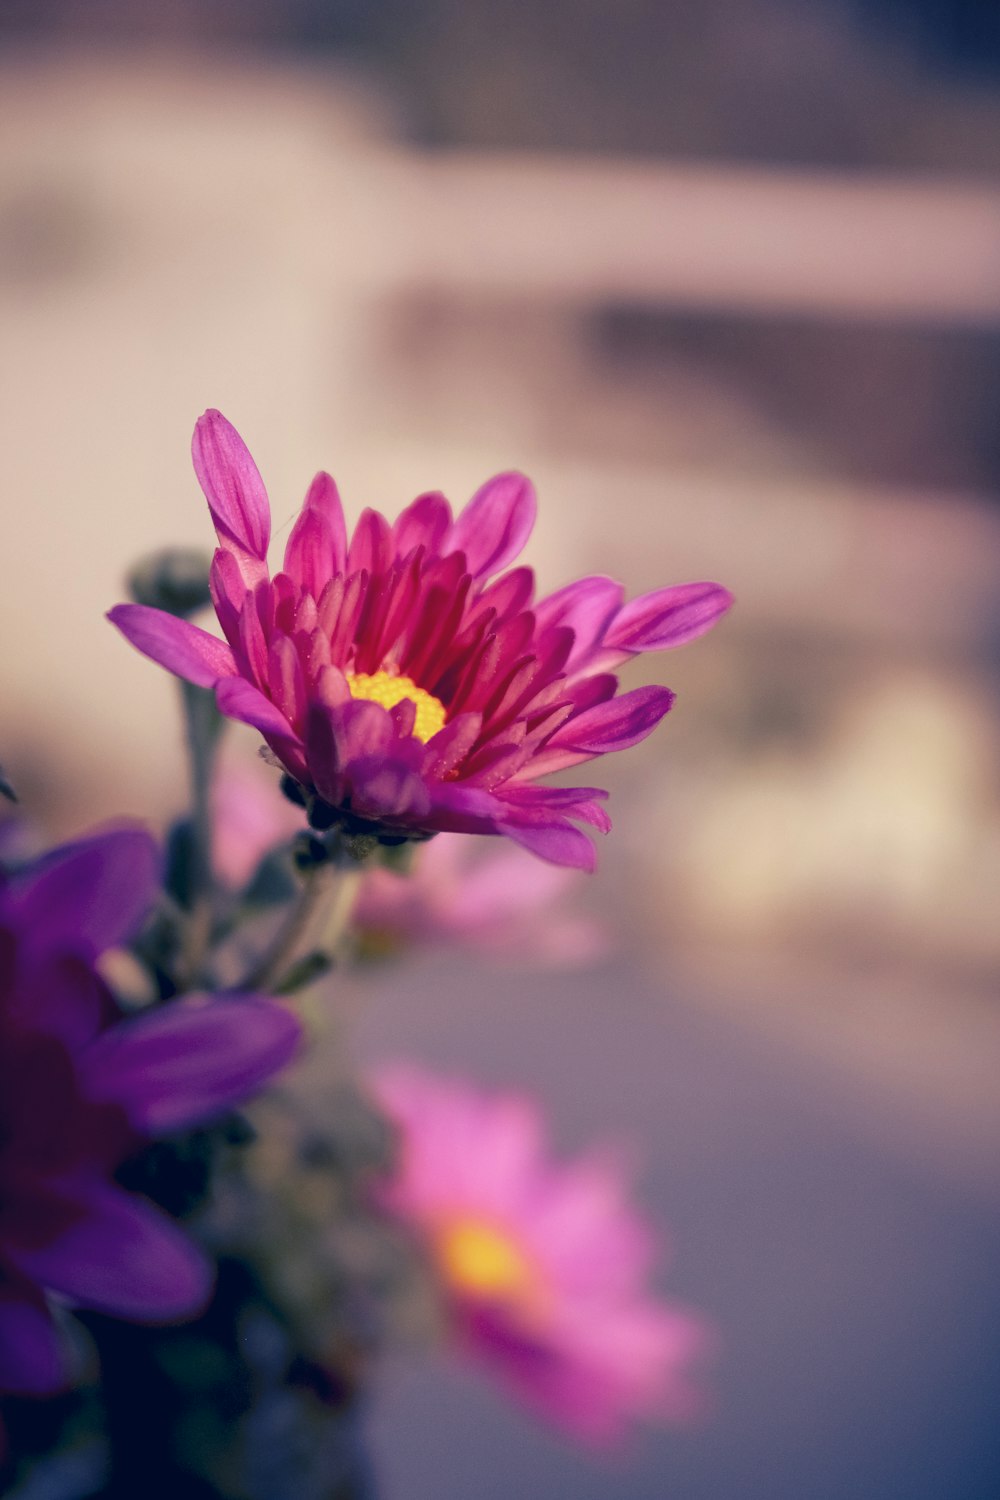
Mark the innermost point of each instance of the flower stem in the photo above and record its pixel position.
(324, 903)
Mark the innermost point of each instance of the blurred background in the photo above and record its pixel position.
(725, 280)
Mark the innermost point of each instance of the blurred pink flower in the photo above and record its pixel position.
(403, 686)
(471, 894)
(250, 818)
(82, 1089)
(544, 1267)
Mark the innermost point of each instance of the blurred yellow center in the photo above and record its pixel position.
(382, 687)
(485, 1262)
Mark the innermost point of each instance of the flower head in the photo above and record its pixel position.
(81, 1089)
(405, 687)
(543, 1267)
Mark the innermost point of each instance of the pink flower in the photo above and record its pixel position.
(498, 900)
(81, 1089)
(248, 820)
(405, 691)
(543, 1267)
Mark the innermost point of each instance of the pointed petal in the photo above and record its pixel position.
(324, 498)
(448, 748)
(181, 647)
(317, 546)
(586, 606)
(122, 1257)
(495, 524)
(424, 523)
(615, 725)
(233, 487)
(228, 589)
(558, 842)
(90, 895)
(188, 1062)
(582, 802)
(668, 617)
(239, 699)
(371, 545)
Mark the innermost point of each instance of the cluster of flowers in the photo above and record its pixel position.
(406, 691)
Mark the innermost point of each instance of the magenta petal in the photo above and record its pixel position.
(384, 789)
(668, 617)
(615, 725)
(176, 644)
(586, 606)
(232, 484)
(239, 699)
(228, 589)
(582, 802)
(323, 497)
(121, 1257)
(424, 523)
(495, 524)
(317, 546)
(90, 895)
(559, 843)
(31, 1353)
(189, 1061)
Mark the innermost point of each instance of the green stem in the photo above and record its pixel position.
(324, 908)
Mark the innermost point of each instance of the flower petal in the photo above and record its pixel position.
(233, 488)
(187, 1062)
(615, 725)
(496, 523)
(91, 895)
(123, 1257)
(558, 842)
(317, 546)
(586, 606)
(176, 644)
(424, 523)
(239, 699)
(668, 617)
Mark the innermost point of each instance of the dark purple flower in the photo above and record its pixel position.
(81, 1089)
(396, 679)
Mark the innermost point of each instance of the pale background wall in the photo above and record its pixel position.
(757, 343)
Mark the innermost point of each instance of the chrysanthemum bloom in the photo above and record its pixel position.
(405, 687)
(544, 1267)
(481, 895)
(81, 1089)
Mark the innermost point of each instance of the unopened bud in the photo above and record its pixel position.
(175, 579)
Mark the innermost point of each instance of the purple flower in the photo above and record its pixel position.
(397, 679)
(544, 1267)
(81, 1089)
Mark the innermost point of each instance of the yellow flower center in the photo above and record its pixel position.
(483, 1261)
(382, 687)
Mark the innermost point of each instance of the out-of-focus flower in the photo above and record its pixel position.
(248, 820)
(405, 692)
(544, 1267)
(494, 899)
(81, 1089)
